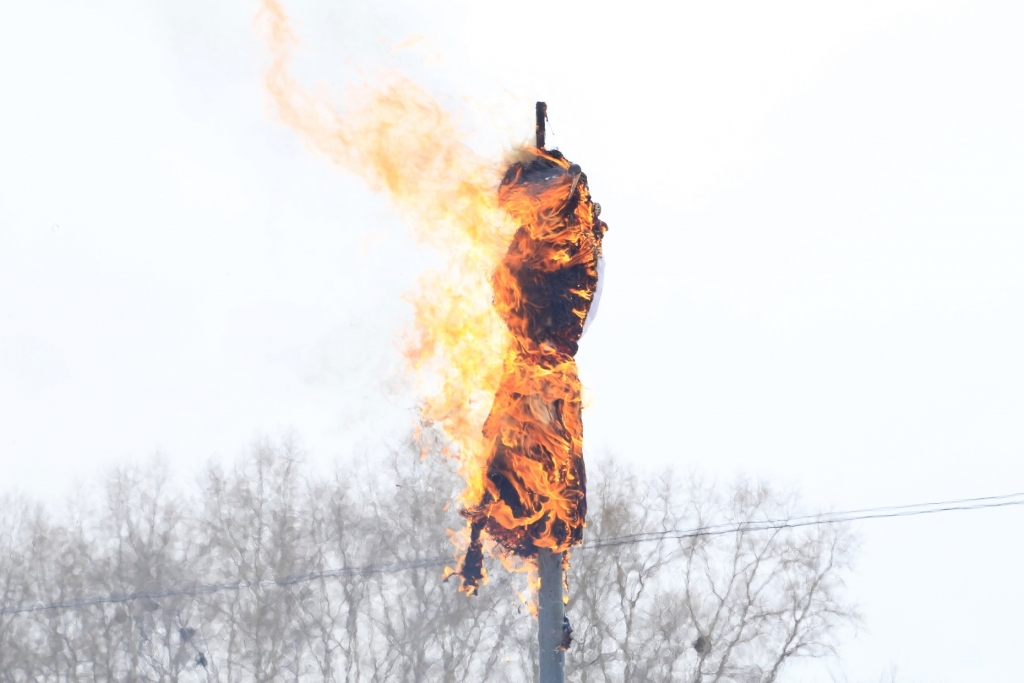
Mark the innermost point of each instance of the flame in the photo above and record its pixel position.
(496, 328)
(535, 481)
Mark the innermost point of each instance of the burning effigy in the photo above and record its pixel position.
(497, 325)
(535, 480)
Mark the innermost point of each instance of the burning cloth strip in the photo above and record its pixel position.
(535, 484)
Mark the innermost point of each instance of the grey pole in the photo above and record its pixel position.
(550, 608)
(550, 615)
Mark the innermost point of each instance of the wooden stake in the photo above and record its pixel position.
(542, 116)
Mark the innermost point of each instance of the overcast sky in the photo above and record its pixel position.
(814, 258)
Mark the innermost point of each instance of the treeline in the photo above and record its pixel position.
(268, 571)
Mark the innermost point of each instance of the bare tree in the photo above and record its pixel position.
(266, 571)
(706, 606)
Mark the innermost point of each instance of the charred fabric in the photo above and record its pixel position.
(535, 485)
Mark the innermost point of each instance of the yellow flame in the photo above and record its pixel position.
(401, 142)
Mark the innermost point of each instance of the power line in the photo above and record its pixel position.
(822, 518)
(1007, 500)
(210, 588)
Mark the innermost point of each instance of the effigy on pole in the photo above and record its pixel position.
(534, 496)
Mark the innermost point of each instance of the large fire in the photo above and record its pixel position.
(534, 479)
(497, 327)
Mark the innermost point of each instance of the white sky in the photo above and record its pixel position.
(817, 231)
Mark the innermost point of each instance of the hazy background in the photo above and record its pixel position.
(814, 263)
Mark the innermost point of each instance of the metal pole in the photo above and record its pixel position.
(550, 607)
(550, 616)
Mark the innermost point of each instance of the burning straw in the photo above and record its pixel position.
(535, 486)
(497, 327)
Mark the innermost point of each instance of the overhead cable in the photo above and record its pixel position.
(436, 562)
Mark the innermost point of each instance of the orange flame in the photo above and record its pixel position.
(496, 375)
(535, 481)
